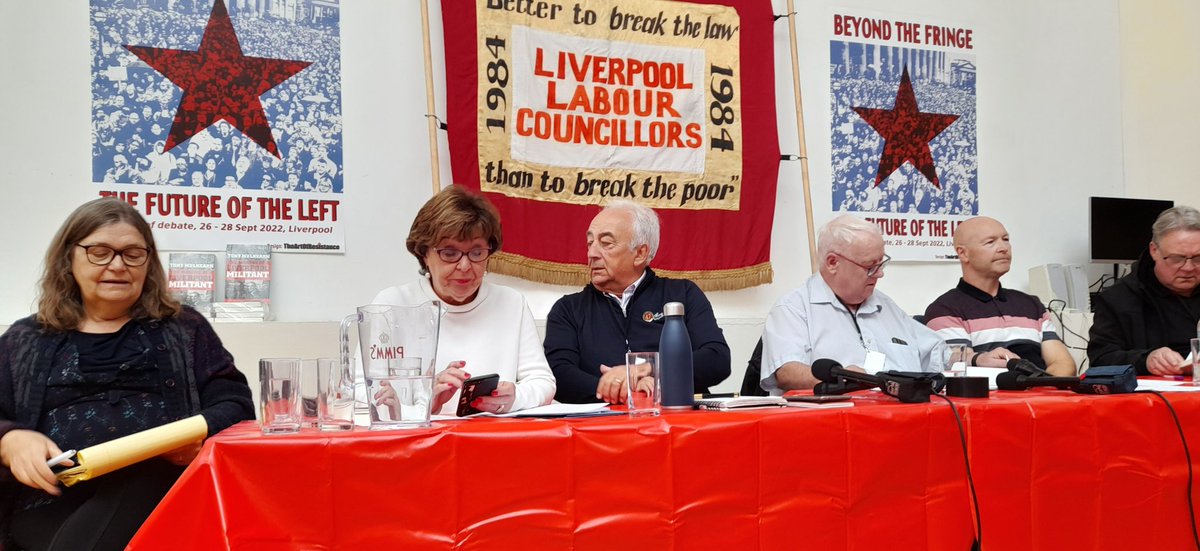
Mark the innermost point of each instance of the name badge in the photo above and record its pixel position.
(874, 362)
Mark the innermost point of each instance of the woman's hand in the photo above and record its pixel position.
(25, 453)
(386, 396)
(449, 381)
(500, 401)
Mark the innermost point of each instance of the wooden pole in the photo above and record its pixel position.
(434, 164)
(808, 214)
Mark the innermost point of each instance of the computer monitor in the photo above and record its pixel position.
(1120, 227)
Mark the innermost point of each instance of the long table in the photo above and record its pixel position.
(1052, 470)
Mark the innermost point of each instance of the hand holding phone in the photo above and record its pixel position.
(53, 462)
(472, 389)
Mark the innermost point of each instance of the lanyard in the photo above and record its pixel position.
(854, 319)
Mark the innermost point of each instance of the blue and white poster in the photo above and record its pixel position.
(221, 121)
(903, 129)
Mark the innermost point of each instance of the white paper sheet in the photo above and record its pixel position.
(989, 372)
(1166, 385)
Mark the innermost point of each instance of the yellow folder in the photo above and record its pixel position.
(112, 455)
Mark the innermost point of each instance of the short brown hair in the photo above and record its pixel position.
(60, 305)
(454, 213)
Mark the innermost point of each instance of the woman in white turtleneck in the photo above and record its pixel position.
(487, 328)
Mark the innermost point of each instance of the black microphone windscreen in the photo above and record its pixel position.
(1021, 365)
(822, 368)
(1008, 381)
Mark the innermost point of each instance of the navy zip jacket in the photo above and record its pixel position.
(587, 329)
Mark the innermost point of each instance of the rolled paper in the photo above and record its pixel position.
(105, 458)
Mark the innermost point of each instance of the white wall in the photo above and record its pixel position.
(1160, 60)
(1050, 135)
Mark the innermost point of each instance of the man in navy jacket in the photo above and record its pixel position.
(589, 332)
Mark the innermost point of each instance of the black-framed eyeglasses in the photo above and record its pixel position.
(103, 255)
(1178, 261)
(451, 256)
(872, 269)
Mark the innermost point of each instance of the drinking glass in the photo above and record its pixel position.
(643, 383)
(957, 357)
(1195, 361)
(335, 395)
(280, 396)
(309, 390)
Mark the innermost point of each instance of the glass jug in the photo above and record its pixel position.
(398, 347)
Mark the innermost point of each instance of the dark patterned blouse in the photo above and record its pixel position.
(110, 391)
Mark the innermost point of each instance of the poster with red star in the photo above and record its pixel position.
(903, 129)
(220, 120)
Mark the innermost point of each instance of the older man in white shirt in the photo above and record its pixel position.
(838, 314)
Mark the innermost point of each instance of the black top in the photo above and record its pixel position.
(72, 384)
(111, 392)
(1138, 315)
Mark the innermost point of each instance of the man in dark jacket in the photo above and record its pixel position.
(589, 332)
(1148, 317)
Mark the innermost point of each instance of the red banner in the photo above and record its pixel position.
(556, 107)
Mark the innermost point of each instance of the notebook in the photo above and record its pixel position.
(740, 402)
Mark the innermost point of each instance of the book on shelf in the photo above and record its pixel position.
(248, 273)
(192, 280)
(251, 310)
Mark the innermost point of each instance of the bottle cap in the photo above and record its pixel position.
(673, 309)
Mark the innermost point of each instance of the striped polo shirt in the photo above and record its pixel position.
(1011, 319)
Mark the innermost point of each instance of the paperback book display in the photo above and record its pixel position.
(247, 284)
(192, 279)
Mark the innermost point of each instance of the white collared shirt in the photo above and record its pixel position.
(810, 323)
(628, 294)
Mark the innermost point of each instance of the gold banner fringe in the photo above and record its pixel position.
(557, 273)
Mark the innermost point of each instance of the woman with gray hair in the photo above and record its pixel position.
(1148, 318)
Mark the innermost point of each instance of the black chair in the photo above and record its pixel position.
(750, 386)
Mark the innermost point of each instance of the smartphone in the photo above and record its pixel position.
(817, 398)
(53, 462)
(483, 385)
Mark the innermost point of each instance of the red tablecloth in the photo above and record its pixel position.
(1053, 470)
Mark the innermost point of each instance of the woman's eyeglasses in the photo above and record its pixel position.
(451, 256)
(103, 255)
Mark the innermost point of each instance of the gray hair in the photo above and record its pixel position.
(1176, 218)
(645, 224)
(843, 231)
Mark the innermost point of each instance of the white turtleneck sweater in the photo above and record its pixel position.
(494, 333)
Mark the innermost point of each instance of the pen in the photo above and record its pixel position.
(717, 395)
(54, 461)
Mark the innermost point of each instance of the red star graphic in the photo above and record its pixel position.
(906, 133)
(219, 83)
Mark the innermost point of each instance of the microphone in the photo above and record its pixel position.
(909, 388)
(1026, 367)
(1015, 380)
(838, 380)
